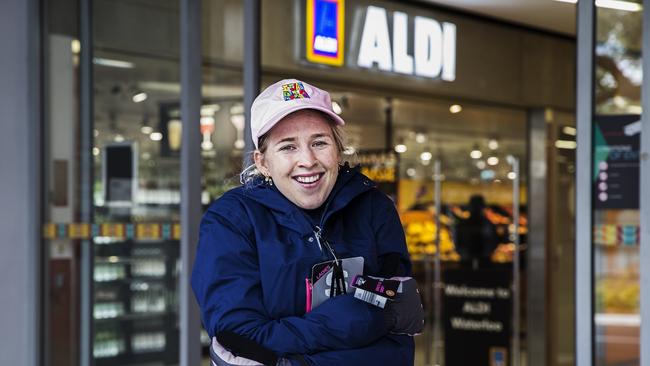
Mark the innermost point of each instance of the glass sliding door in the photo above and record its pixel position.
(476, 223)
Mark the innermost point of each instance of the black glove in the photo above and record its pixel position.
(405, 314)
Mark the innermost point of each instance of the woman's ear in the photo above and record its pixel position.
(260, 163)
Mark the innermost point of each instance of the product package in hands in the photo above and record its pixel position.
(398, 296)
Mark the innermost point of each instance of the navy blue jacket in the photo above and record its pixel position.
(255, 250)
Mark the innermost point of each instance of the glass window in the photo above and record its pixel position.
(615, 202)
(136, 188)
(222, 108)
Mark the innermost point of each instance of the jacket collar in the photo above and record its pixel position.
(350, 183)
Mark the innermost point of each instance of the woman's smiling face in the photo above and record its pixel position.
(302, 158)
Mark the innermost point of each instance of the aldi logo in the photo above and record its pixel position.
(325, 31)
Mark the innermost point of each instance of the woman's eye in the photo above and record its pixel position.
(287, 148)
(320, 143)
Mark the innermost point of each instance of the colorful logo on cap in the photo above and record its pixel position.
(293, 91)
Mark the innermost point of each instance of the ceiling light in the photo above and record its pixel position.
(568, 130)
(95, 132)
(455, 108)
(420, 138)
(565, 144)
(410, 172)
(139, 97)
(75, 46)
(493, 144)
(146, 156)
(426, 156)
(207, 120)
(146, 129)
(113, 63)
(207, 145)
(512, 175)
(118, 138)
(156, 136)
(240, 144)
(400, 148)
(612, 4)
(336, 107)
(239, 121)
(480, 164)
(476, 153)
(237, 109)
(210, 109)
(619, 5)
(497, 181)
(95, 151)
(493, 160)
(487, 174)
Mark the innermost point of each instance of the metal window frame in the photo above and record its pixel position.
(252, 57)
(191, 72)
(644, 195)
(584, 310)
(86, 166)
(538, 208)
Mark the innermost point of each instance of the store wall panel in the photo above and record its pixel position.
(136, 26)
(152, 27)
(548, 75)
(19, 189)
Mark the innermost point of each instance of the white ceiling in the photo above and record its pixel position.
(549, 15)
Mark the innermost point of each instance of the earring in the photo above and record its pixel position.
(268, 180)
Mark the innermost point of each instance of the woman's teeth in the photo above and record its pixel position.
(307, 180)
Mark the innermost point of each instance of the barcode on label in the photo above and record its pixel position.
(370, 298)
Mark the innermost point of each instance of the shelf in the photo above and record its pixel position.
(137, 316)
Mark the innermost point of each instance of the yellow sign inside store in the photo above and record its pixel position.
(137, 231)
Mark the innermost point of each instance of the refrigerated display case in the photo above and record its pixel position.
(135, 306)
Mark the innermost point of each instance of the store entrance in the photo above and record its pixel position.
(461, 236)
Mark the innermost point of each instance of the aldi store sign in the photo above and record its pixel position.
(432, 44)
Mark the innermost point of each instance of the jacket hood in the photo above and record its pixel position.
(350, 183)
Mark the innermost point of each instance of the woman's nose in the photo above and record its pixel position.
(306, 158)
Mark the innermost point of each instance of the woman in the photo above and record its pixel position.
(259, 242)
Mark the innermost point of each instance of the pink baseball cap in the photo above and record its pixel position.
(285, 97)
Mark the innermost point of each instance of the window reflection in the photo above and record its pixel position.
(618, 62)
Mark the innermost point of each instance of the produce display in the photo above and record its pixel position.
(420, 230)
(618, 294)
